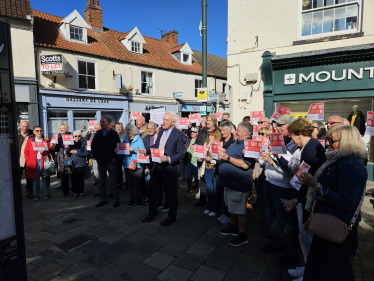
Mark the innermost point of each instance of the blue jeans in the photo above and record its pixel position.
(36, 181)
(273, 194)
(211, 188)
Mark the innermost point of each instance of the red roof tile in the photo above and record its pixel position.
(156, 53)
(15, 8)
(177, 48)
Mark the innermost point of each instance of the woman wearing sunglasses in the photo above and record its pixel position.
(34, 159)
(78, 152)
(338, 188)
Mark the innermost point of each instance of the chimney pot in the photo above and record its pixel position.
(93, 14)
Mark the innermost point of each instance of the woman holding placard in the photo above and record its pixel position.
(36, 153)
(133, 169)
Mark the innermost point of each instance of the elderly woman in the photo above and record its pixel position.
(339, 186)
(35, 163)
(59, 148)
(78, 153)
(134, 176)
(319, 130)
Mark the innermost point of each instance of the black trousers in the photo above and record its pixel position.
(330, 261)
(134, 179)
(65, 183)
(29, 186)
(162, 177)
(77, 180)
(119, 165)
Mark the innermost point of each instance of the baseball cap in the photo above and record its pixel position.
(194, 129)
(285, 119)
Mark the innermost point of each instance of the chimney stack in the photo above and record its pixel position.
(171, 37)
(94, 14)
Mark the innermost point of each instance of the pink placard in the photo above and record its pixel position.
(256, 115)
(123, 148)
(200, 151)
(156, 155)
(135, 114)
(216, 146)
(54, 138)
(282, 110)
(203, 119)
(219, 116)
(323, 142)
(183, 123)
(252, 148)
(143, 158)
(89, 145)
(316, 111)
(277, 143)
(68, 139)
(195, 118)
(255, 129)
(263, 140)
(39, 146)
(304, 168)
(91, 124)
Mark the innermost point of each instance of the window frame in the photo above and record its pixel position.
(140, 47)
(96, 75)
(328, 34)
(189, 61)
(77, 27)
(153, 82)
(201, 85)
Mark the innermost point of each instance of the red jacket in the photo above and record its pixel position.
(31, 157)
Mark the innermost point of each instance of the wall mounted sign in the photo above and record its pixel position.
(53, 64)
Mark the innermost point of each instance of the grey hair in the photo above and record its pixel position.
(246, 126)
(133, 128)
(77, 133)
(153, 124)
(173, 115)
(225, 125)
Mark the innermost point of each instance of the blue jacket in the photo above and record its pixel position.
(81, 155)
(137, 143)
(343, 184)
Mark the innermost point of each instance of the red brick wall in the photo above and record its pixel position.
(94, 16)
(171, 37)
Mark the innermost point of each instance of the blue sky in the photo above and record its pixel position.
(147, 15)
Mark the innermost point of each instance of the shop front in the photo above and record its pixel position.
(77, 109)
(341, 78)
(146, 108)
(188, 109)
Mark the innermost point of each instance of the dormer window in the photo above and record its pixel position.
(76, 33)
(182, 53)
(186, 58)
(135, 47)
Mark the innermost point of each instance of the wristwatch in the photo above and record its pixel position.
(274, 164)
(295, 201)
(228, 158)
(318, 185)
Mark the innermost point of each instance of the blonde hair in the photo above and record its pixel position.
(65, 126)
(351, 143)
(265, 130)
(77, 133)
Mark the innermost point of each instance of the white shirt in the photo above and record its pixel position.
(39, 156)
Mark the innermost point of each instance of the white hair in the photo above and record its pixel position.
(133, 129)
(77, 133)
(172, 115)
(153, 124)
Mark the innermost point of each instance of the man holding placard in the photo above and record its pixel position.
(172, 142)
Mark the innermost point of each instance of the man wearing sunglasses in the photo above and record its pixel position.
(333, 121)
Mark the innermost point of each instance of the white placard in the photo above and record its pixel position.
(157, 115)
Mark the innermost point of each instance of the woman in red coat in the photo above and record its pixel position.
(36, 152)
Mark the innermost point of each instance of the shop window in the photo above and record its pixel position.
(55, 119)
(198, 84)
(147, 82)
(135, 47)
(87, 75)
(328, 17)
(22, 112)
(76, 33)
(81, 118)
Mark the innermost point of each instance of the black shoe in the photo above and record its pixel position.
(130, 204)
(159, 206)
(110, 195)
(200, 203)
(116, 204)
(165, 208)
(167, 221)
(239, 240)
(149, 217)
(138, 205)
(101, 204)
(290, 260)
(97, 194)
(231, 230)
(273, 248)
(146, 201)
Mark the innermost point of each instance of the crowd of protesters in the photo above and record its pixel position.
(334, 185)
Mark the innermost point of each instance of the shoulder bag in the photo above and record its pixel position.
(283, 230)
(330, 227)
(69, 162)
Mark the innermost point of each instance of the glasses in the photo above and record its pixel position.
(279, 125)
(261, 134)
(331, 141)
(77, 136)
(38, 130)
(261, 122)
(332, 123)
(315, 127)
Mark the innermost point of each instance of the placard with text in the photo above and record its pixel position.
(282, 110)
(135, 114)
(54, 138)
(183, 123)
(322, 142)
(39, 146)
(316, 111)
(89, 145)
(68, 139)
(256, 115)
(252, 148)
(264, 141)
(219, 116)
(200, 151)
(304, 168)
(194, 118)
(277, 143)
(123, 148)
(216, 146)
(156, 155)
(143, 159)
(370, 123)
(255, 129)
(91, 124)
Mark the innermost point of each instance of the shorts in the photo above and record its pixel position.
(236, 201)
(191, 171)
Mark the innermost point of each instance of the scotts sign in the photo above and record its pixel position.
(53, 64)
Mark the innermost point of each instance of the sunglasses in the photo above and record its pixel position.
(261, 134)
(279, 125)
(261, 122)
(315, 127)
(332, 123)
(38, 130)
(77, 136)
(331, 141)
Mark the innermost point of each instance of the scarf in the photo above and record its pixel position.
(332, 157)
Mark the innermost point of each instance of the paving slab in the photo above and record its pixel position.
(159, 260)
(79, 271)
(174, 273)
(200, 250)
(72, 258)
(129, 260)
(142, 272)
(173, 249)
(46, 272)
(208, 274)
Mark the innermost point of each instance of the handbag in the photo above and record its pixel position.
(282, 230)
(133, 165)
(69, 162)
(330, 227)
(49, 167)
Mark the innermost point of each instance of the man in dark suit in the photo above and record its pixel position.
(173, 142)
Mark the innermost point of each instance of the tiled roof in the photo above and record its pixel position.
(216, 65)
(15, 8)
(177, 48)
(156, 53)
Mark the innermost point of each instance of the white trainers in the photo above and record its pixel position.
(297, 273)
(226, 221)
(221, 217)
(212, 214)
(189, 194)
(206, 212)
(299, 279)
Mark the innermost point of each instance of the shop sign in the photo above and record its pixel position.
(53, 64)
(202, 94)
(178, 95)
(196, 108)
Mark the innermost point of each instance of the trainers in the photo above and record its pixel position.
(165, 208)
(212, 214)
(239, 240)
(36, 198)
(189, 194)
(206, 212)
(221, 218)
(232, 230)
(226, 221)
(138, 205)
(81, 195)
(130, 204)
(75, 196)
(297, 273)
(47, 197)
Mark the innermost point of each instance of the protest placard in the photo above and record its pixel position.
(143, 159)
(304, 168)
(255, 129)
(157, 115)
(277, 143)
(68, 139)
(183, 123)
(370, 123)
(91, 124)
(200, 151)
(194, 118)
(282, 111)
(232, 130)
(89, 145)
(123, 148)
(256, 115)
(323, 142)
(39, 146)
(219, 116)
(156, 155)
(264, 141)
(135, 114)
(216, 146)
(316, 111)
(54, 138)
(203, 119)
(252, 148)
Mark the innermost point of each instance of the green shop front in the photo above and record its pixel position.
(341, 78)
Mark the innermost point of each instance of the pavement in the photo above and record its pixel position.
(72, 240)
